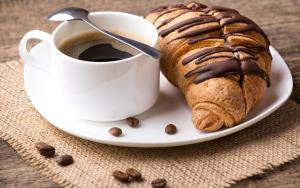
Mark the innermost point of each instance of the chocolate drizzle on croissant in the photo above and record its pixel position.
(223, 16)
(246, 66)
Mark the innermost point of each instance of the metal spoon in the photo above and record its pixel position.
(75, 13)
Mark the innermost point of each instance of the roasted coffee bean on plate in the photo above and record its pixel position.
(134, 174)
(64, 160)
(171, 129)
(115, 131)
(45, 149)
(121, 176)
(159, 183)
(133, 122)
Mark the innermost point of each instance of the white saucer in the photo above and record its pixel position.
(170, 108)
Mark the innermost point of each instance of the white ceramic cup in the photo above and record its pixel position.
(101, 91)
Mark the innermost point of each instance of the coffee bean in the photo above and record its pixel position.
(133, 122)
(115, 131)
(159, 183)
(45, 149)
(64, 160)
(134, 174)
(121, 176)
(170, 129)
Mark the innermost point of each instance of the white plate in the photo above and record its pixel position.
(170, 108)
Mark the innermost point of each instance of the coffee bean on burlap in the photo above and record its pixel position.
(159, 183)
(64, 160)
(121, 176)
(45, 149)
(135, 174)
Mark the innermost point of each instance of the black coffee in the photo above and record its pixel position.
(96, 47)
(103, 52)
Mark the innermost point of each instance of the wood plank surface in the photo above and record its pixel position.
(280, 19)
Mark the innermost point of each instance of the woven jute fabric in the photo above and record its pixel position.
(218, 163)
(271, 142)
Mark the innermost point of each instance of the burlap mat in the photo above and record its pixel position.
(218, 163)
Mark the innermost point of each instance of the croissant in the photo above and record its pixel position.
(218, 58)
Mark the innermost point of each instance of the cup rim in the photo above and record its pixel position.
(138, 55)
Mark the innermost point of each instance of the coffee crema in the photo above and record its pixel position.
(97, 47)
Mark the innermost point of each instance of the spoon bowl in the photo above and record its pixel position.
(67, 14)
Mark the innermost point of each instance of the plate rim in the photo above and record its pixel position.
(169, 143)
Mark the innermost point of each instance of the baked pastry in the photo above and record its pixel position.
(218, 58)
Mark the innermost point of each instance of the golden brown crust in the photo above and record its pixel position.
(219, 101)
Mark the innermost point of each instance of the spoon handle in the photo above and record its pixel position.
(148, 50)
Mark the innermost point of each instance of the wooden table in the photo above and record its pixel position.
(280, 19)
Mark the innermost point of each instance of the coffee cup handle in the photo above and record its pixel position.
(27, 58)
